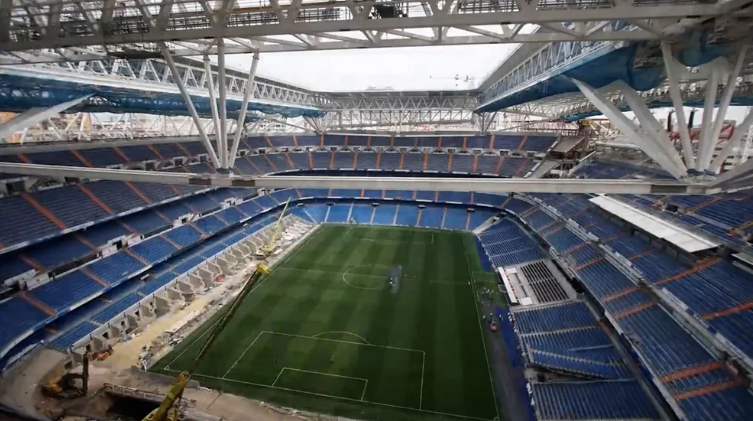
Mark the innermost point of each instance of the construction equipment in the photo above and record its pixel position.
(167, 410)
(269, 248)
(64, 387)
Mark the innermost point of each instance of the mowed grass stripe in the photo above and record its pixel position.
(427, 317)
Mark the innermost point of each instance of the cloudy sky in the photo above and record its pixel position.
(416, 68)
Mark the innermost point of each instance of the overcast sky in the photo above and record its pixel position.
(415, 68)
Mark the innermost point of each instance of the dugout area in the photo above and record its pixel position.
(326, 332)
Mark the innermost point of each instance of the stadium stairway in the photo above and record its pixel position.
(708, 289)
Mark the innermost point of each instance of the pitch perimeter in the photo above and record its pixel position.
(325, 332)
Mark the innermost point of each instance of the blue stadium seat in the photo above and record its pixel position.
(138, 153)
(321, 160)
(344, 160)
(116, 267)
(338, 213)
(462, 163)
(300, 160)
(379, 141)
(184, 236)
(568, 315)
(117, 307)
(17, 317)
(145, 222)
(156, 193)
(116, 195)
(431, 217)
(101, 234)
(389, 161)
(318, 212)
(210, 224)
(366, 160)
(413, 161)
(384, 214)
(67, 290)
(437, 162)
(70, 337)
(593, 400)
(153, 250)
(362, 214)
(477, 142)
(71, 205)
(102, 157)
(407, 215)
(57, 252)
(455, 218)
(199, 203)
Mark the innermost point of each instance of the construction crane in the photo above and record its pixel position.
(268, 248)
(167, 410)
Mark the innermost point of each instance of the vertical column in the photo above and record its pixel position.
(250, 82)
(222, 135)
(724, 102)
(212, 97)
(189, 103)
(674, 92)
(708, 111)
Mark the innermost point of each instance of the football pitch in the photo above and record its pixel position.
(326, 332)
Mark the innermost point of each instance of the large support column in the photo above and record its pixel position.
(191, 109)
(671, 67)
(724, 102)
(35, 116)
(706, 143)
(628, 128)
(244, 107)
(222, 135)
(734, 142)
(212, 98)
(650, 124)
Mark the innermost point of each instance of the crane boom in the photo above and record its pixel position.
(270, 246)
(166, 411)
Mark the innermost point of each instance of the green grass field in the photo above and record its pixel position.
(324, 332)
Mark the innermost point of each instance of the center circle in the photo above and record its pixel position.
(374, 277)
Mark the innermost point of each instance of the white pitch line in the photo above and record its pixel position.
(447, 414)
(421, 396)
(342, 342)
(342, 331)
(481, 330)
(278, 377)
(241, 357)
(363, 394)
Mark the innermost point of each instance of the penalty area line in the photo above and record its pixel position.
(447, 414)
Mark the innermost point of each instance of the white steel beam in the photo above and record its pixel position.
(706, 143)
(212, 94)
(625, 126)
(499, 185)
(734, 142)
(222, 135)
(178, 31)
(671, 67)
(36, 116)
(734, 176)
(650, 124)
(189, 103)
(724, 102)
(244, 108)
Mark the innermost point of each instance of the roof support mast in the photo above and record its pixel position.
(250, 85)
(189, 102)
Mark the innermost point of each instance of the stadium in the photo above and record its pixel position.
(376, 210)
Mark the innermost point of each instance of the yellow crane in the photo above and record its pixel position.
(268, 248)
(166, 411)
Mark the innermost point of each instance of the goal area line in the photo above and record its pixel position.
(287, 389)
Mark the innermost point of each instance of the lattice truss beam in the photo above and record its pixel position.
(129, 27)
(154, 74)
(94, 126)
(400, 110)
